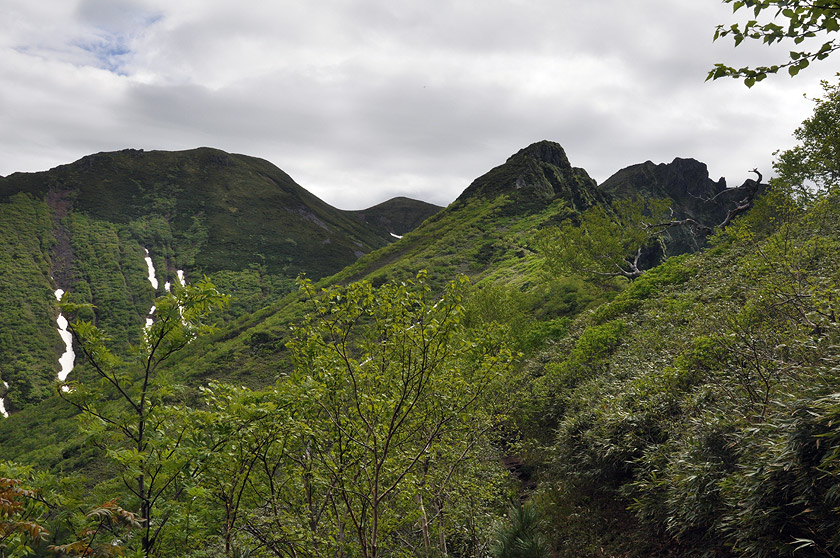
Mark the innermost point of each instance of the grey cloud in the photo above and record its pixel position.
(363, 100)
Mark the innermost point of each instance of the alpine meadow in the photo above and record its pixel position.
(200, 358)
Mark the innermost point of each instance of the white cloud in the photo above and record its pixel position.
(366, 99)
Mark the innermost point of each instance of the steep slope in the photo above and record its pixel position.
(534, 177)
(489, 226)
(697, 412)
(241, 204)
(486, 233)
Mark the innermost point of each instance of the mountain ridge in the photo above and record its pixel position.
(486, 234)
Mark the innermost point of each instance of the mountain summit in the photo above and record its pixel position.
(535, 176)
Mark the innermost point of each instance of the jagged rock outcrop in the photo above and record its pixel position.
(692, 193)
(684, 181)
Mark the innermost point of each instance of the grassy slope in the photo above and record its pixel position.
(645, 402)
(246, 206)
(28, 338)
(485, 234)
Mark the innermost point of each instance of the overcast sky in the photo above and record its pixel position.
(363, 100)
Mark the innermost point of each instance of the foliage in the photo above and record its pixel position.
(103, 520)
(110, 267)
(126, 413)
(39, 513)
(815, 161)
(709, 417)
(28, 341)
(521, 537)
(375, 443)
(802, 20)
(608, 242)
(396, 394)
(20, 512)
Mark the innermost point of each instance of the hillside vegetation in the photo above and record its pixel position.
(461, 392)
(83, 228)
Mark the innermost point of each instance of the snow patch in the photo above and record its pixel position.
(3, 411)
(396, 236)
(152, 279)
(67, 359)
(149, 319)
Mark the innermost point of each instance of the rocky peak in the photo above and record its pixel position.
(686, 183)
(534, 177)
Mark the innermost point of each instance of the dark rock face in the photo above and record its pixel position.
(687, 184)
(535, 177)
(684, 181)
(545, 151)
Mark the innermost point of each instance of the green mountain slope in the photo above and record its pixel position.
(696, 413)
(85, 227)
(629, 394)
(238, 204)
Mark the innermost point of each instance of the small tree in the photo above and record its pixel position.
(21, 514)
(394, 391)
(608, 242)
(814, 164)
(521, 536)
(125, 411)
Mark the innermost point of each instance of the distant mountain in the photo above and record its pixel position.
(486, 234)
(246, 206)
(397, 216)
(84, 227)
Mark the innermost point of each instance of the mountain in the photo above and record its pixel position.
(233, 203)
(685, 182)
(88, 227)
(692, 411)
(485, 234)
(535, 176)
(397, 216)
(246, 224)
